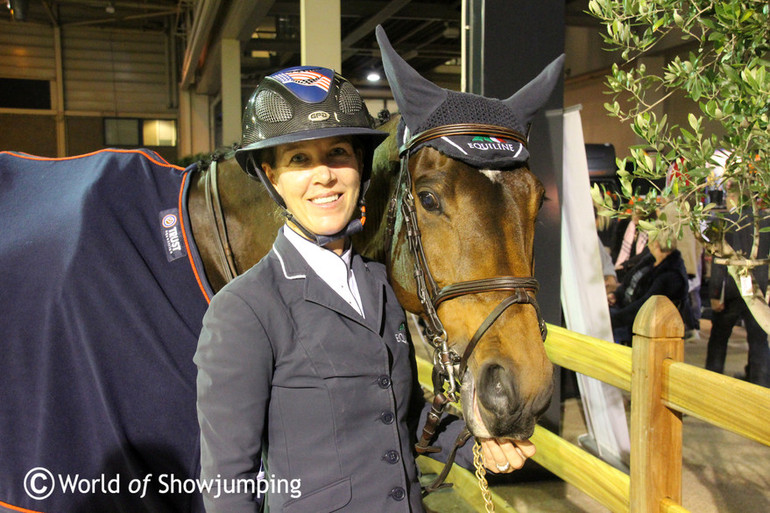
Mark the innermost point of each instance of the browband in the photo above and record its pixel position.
(462, 129)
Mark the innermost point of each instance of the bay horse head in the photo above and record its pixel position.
(461, 228)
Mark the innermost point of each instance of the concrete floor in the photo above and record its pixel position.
(722, 472)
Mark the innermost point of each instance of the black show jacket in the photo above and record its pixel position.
(290, 374)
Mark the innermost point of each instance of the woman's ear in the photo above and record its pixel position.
(270, 173)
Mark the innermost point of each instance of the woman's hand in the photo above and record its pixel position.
(503, 456)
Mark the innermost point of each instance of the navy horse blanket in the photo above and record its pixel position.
(101, 301)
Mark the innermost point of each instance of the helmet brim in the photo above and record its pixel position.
(374, 137)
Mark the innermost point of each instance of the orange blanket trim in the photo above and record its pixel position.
(16, 508)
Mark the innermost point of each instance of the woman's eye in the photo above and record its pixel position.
(297, 159)
(429, 201)
(339, 151)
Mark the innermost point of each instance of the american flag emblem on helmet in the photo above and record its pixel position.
(306, 78)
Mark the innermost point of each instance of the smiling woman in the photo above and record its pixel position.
(319, 180)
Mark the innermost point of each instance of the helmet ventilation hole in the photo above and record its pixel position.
(272, 108)
(350, 100)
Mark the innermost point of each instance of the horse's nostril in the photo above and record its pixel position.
(496, 390)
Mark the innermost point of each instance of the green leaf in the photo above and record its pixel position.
(597, 195)
(746, 15)
(647, 226)
(625, 185)
(594, 9)
(710, 108)
(694, 123)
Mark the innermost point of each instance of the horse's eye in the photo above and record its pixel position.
(429, 201)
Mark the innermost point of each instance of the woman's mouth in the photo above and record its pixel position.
(323, 200)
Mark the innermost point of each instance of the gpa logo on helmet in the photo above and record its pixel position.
(318, 115)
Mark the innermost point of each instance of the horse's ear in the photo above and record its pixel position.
(415, 96)
(530, 98)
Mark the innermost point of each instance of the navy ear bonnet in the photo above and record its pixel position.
(480, 151)
(424, 106)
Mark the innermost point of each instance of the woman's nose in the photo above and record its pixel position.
(323, 174)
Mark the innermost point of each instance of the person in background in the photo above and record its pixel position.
(690, 247)
(662, 272)
(633, 245)
(728, 306)
(608, 270)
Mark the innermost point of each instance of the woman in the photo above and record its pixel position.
(661, 272)
(304, 361)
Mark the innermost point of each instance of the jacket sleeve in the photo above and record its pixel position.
(235, 363)
(446, 435)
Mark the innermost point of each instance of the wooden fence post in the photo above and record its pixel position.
(656, 430)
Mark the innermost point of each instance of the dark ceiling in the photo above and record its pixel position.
(425, 32)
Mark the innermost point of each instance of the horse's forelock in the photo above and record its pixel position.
(495, 175)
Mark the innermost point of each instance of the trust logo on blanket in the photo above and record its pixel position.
(172, 236)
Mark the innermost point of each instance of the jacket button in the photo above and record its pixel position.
(392, 457)
(398, 493)
(384, 381)
(387, 417)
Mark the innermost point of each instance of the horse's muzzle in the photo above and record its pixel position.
(494, 407)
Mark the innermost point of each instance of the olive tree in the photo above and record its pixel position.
(724, 75)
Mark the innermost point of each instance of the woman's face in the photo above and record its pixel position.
(319, 180)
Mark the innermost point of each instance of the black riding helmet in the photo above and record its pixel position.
(299, 104)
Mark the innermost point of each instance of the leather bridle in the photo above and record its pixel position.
(448, 366)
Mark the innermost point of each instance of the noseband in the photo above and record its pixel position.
(448, 366)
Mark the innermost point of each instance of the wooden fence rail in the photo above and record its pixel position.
(662, 388)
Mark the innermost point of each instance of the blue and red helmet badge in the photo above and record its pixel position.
(309, 84)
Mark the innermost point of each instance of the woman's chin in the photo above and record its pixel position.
(330, 226)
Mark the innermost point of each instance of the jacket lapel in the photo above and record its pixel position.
(294, 267)
(372, 293)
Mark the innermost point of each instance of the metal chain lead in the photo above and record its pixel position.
(480, 475)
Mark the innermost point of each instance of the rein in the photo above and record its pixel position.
(449, 367)
(217, 216)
